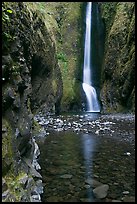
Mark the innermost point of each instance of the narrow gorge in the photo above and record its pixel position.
(56, 148)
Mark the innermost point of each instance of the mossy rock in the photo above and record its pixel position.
(119, 64)
(7, 147)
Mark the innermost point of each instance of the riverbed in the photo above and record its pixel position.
(87, 157)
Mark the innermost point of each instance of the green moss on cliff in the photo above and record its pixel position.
(65, 25)
(15, 187)
(108, 11)
(70, 45)
(7, 147)
(119, 63)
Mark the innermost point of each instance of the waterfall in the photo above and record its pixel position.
(90, 91)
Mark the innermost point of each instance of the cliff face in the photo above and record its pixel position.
(68, 28)
(42, 58)
(40, 49)
(31, 79)
(118, 85)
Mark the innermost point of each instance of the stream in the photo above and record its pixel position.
(87, 157)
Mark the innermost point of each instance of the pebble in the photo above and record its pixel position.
(87, 186)
(66, 176)
(97, 132)
(125, 192)
(127, 153)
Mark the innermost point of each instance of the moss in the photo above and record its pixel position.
(15, 186)
(108, 11)
(118, 71)
(43, 11)
(54, 85)
(35, 127)
(7, 147)
(71, 29)
(65, 28)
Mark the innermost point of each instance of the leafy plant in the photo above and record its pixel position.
(61, 56)
(63, 59)
(6, 24)
(9, 11)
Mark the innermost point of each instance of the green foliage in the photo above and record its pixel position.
(6, 24)
(7, 150)
(15, 69)
(6, 14)
(41, 6)
(61, 56)
(36, 127)
(63, 60)
(108, 13)
(9, 11)
(16, 187)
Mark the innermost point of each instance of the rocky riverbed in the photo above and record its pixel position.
(87, 157)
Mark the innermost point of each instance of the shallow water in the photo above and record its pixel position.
(70, 159)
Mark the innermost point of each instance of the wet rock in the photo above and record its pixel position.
(35, 197)
(116, 201)
(23, 179)
(85, 200)
(127, 153)
(125, 192)
(39, 186)
(4, 129)
(52, 199)
(59, 129)
(7, 60)
(96, 176)
(4, 185)
(24, 146)
(17, 103)
(30, 183)
(35, 153)
(42, 133)
(7, 196)
(97, 132)
(42, 123)
(87, 186)
(66, 176)
(92, 182)
(101, 191)
(9, 95)
(22, 85)
(5, 72)
(36, 149)
(32, 169)
(128, 199)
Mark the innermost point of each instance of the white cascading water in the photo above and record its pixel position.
(91, 95)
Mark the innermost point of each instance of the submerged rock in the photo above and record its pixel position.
(93, 183)
(101, 191)
(66, 176)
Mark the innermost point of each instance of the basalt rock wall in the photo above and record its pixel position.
(118, 73)
(31, 79)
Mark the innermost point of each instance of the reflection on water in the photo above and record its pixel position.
(66, 161)
(88, 149)
(70, 160)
